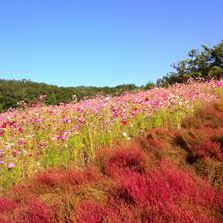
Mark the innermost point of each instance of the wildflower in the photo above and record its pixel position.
(21, 141)
(67, 120)
(107, 98)
(74, 98)
(54, 138)
(24, 152)
(1, 153)
(124, 122)
(1, 132)
(11, 165)
(124, 134)
(42, 97)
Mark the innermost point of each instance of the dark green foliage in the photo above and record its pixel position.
(149, 85)
(206, 64)
(14, 91)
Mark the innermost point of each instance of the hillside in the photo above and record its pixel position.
(37, 137)
(77, 148)
(13, 91)
(152, 156)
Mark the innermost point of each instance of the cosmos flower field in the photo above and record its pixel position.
(149, 156)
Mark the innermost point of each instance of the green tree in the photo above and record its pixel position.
(207, 63)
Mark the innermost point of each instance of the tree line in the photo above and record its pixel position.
(14, 91)
(205, 64)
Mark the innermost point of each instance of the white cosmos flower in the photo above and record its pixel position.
(124, 134)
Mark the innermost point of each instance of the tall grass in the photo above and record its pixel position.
(69, 135)
(79, 149)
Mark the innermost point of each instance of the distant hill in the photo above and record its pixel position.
(14, 91)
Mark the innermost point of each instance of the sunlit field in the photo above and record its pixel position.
(38, 137)
(111, 111)
(151, 156)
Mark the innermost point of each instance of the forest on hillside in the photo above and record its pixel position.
(205, 64)
(14, 91)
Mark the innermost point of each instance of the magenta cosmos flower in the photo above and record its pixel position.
(11, 165)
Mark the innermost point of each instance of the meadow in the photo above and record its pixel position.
(152, 156)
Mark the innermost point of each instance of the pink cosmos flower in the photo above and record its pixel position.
(11, 165)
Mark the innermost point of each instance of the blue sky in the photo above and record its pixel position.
(102, 42)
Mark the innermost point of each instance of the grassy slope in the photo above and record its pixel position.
(168, 176)
(41, 137)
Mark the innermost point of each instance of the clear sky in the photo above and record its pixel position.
(102, 42)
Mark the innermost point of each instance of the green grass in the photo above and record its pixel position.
(100, 130)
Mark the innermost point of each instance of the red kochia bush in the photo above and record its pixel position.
(163, 194)
(114, 211)
(167, 194)
(84, 176)
(6, 205)
(66, 178)
(209, 149)
(34, 212)
(88, 211)
(124, 160)
(4, 220)
(51, 178)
